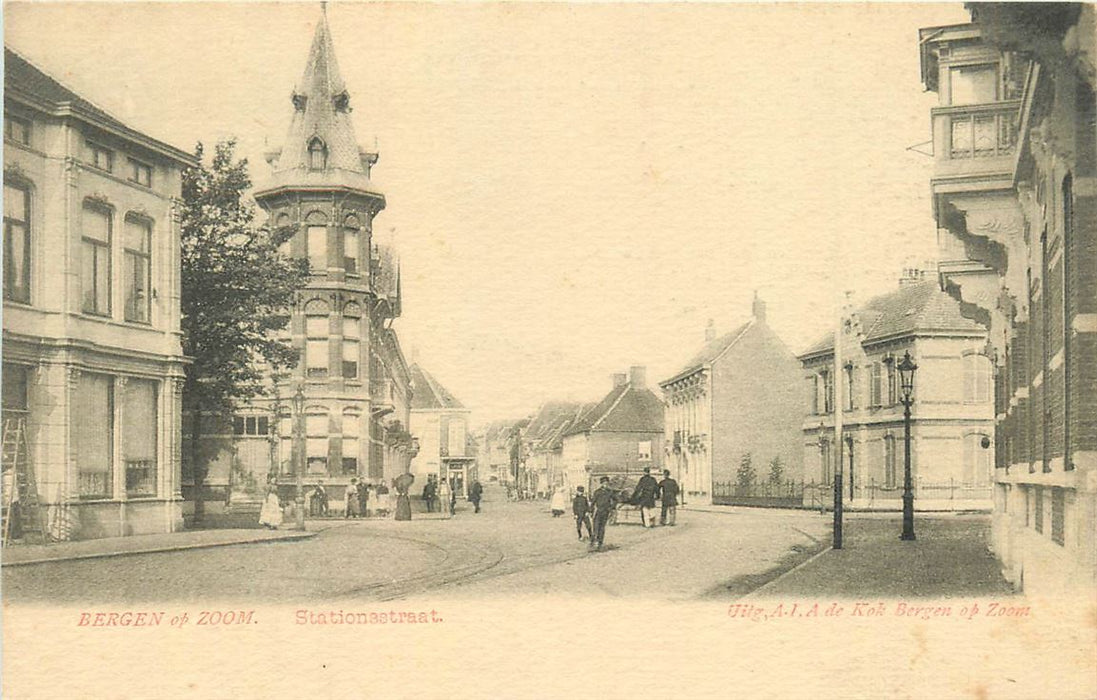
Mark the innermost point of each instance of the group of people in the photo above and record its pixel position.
(594, 512)
(363, 499)
(437, 492)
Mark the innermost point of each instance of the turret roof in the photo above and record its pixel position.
(321, 114)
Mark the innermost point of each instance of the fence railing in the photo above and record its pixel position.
(811, 494)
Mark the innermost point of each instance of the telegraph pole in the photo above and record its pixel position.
(837, 382)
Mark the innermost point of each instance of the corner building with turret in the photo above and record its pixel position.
(352, 371)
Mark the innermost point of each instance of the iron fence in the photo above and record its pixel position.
(811, 494)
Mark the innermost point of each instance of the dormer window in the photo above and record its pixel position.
(318, 155)
(341, 101)
(299, 101)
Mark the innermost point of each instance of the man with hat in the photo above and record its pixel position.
(644, 496)
(668, 494)
(603, 501)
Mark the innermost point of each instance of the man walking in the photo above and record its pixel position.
(428, 494)
(580, 507)
(604, 502)
(644, 496)
(476, 491)
(668, 495)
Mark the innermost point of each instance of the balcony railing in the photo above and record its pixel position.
(978, 131)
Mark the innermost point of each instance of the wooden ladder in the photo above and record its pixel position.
(20, 488)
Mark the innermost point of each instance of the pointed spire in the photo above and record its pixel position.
(320, 147)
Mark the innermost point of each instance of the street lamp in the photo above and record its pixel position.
(906, 369)
(299, 466)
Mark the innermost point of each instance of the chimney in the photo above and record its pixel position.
(637, 376)
(758, 309)
(710, 331)
(620, 379)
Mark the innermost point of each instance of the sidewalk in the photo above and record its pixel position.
(21, 555)
(949, 559)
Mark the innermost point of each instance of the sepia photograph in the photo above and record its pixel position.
(447, 350)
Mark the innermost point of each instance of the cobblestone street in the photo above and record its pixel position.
(510, 549)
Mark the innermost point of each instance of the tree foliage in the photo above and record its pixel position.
(776, 470)
(746, 475)
(237, 290)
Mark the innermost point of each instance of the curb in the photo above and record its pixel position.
(154, 550)
(791, 571)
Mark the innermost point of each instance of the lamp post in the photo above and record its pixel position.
(906, 369)
(299, 463)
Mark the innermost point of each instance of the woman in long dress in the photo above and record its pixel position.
(271, 514)
(559, 502)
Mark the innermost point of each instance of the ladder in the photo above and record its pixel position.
(20, 489)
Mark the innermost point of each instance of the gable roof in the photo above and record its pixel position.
(27, 81)
(914, 308)
(711, 350)
(624, 409)
(427, 393)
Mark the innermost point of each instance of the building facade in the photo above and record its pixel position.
(1015, 198)
(352, 371)
(440, 424)
(544, 446)
(621, 435)
(738, 396)
(93, 364)
(952, 418)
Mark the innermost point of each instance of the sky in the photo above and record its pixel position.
(572, 189)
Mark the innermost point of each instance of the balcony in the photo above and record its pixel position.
(976, 146)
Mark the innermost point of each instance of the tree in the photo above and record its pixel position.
(776, 470)
(746, 475)
(237, 293)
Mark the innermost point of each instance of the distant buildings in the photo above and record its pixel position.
(1015, 197)
(738, 396)
(543, 442)
(93, 366)
(621, 434)
(353, 375)
(440, 425)
(952, 416)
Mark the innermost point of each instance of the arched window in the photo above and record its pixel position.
(318, 154)
(138, 268)
(316, 339)
(977, 378)
(316, 241)
(352, 334)
(17, 241)
(351, 243)
(95, 272)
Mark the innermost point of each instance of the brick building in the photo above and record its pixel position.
(738, 395)
(952, 419)
(353, 374)
(93, 365)
(621, 434)
(1015, 197)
